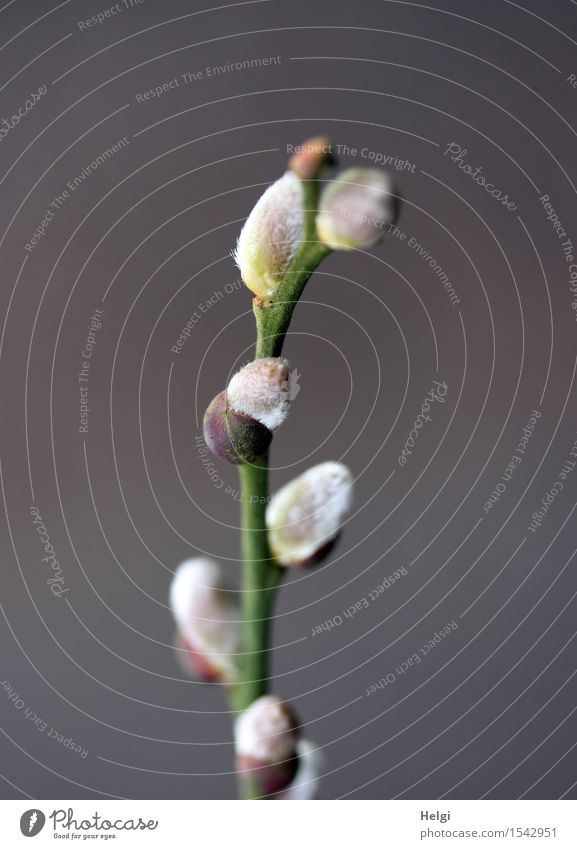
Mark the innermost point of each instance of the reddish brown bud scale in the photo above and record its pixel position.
(266, 779)
(193, 662)
(234, 437)
(320, 554)
(310, 157)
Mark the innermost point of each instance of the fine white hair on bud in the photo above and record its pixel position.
(266, 731)
(261, 390)
(305, 784)
(356, 209)
(305, 516)
(271, 235)
(207, 615)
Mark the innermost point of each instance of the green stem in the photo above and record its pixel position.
(261, 575)
(260, 578)
(273, 318)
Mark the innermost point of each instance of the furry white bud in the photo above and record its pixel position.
(207, 615)
(305, 516)
(356, 209)
(261, 390)
(266, 731)
(266, 739)
(271, 235)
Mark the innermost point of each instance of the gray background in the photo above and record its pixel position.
(490, 711)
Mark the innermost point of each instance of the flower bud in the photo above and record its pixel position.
(356, 209)
(208, 619)
(305, 516)
(310, 157)
(261, 390)
(270, 237)
(238, 423)
(234, 437)
(266, 738)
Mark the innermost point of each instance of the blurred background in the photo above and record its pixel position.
(129, 203)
